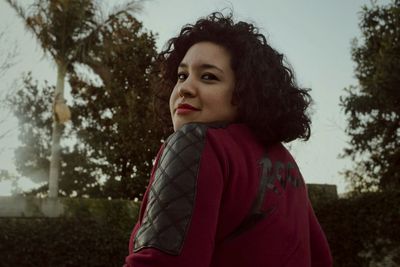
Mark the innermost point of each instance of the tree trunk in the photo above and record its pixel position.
(56, 135)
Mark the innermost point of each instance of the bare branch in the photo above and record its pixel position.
(7, 58)
(7, 132)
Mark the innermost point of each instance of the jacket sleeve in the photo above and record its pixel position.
(320, 252)
(180, 220)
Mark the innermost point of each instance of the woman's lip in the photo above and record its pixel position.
(187, 106)
(185, 110)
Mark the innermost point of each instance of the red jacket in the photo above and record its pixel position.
(217, 197)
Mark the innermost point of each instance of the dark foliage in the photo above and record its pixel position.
(373, 106)
(363, 230)
(114, 134)
(79, 240)
(115, 122)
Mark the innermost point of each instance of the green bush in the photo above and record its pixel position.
(88, 235)
(363, 230)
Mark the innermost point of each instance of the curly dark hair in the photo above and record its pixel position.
(268, 99)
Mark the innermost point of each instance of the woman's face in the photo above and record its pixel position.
(204, 88)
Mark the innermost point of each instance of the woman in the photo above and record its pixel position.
(224, 191)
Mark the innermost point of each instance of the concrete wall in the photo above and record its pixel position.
(322, 193)
(55, 207)
(30, 207)
(69, 207)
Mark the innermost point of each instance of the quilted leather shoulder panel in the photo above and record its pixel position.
(172, 193)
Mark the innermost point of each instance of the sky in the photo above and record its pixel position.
(314, 35)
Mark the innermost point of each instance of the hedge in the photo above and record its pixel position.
(88, 235)
(362, 231)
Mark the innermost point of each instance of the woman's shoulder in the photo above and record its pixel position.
(224, 140)
(221, 131)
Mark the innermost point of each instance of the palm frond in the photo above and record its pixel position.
(129, 7)
(83, 46)
(20, 11)
(34, 22)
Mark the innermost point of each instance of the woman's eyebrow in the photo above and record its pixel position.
(202, 66)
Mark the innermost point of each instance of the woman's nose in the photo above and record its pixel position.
(187, 88)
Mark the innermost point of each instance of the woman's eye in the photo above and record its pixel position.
(209, 77)
(182, 76)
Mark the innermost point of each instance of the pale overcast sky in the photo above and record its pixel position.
(314, 35)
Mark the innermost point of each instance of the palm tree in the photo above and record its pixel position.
(66, 30)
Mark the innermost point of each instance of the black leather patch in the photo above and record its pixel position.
(172, 193)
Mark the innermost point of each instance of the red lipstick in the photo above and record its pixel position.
(185, 109)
